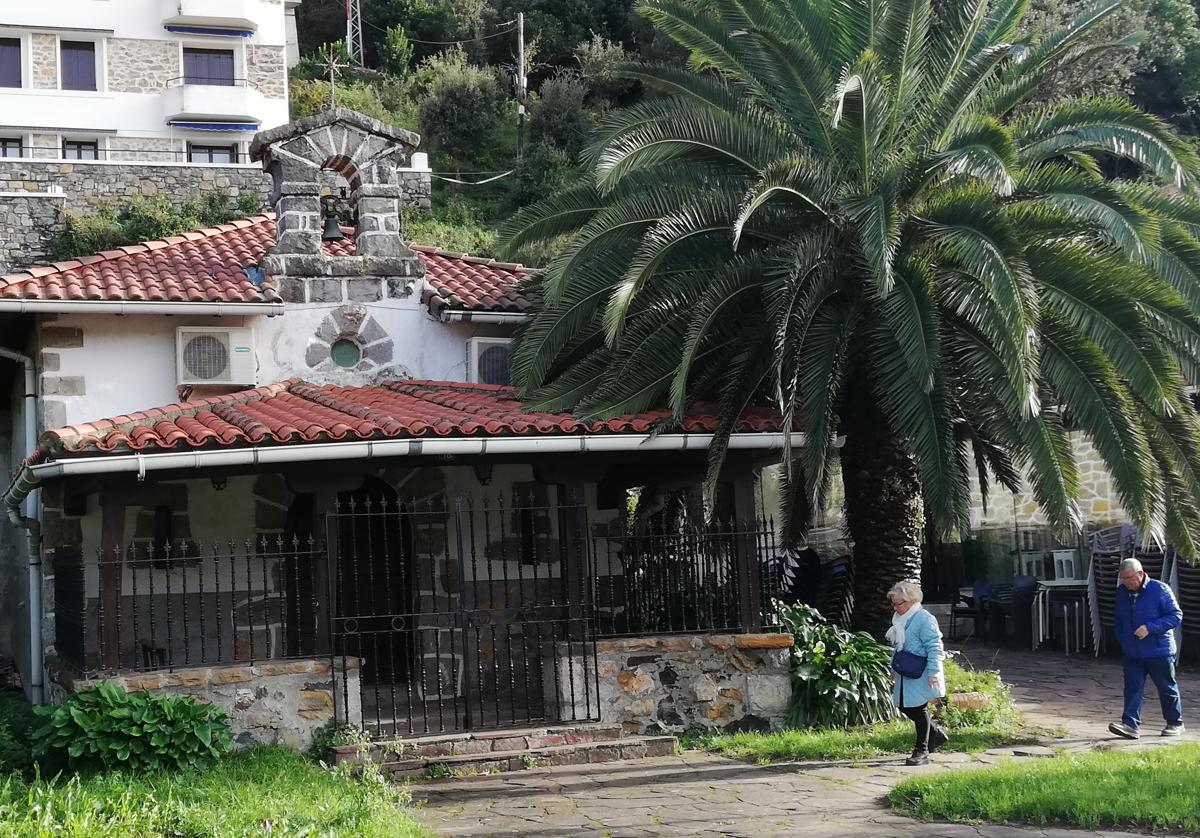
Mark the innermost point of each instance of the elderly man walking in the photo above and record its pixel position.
(1146, 612)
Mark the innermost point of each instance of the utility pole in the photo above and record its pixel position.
(521, 81)
(354, 46)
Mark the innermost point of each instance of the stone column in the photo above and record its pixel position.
(298, 217)
(379, 220)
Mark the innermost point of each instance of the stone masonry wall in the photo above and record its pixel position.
(84, 185)
(138, 65)
(1098, 499)
(24, 221)
(44, 49)
(270, 703)
(672, 683)
(265, 70)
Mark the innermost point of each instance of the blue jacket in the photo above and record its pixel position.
(1157, 610)
(921, 637)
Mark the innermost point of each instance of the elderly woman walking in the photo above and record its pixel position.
(917, 663)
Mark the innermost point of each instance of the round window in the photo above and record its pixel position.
(345, 352)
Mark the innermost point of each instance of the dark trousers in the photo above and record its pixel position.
(1162, 673)
(920, 718)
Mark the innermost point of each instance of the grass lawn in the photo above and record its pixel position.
(1153, 788)
(262, 792)
(970, 730)
(856, 743)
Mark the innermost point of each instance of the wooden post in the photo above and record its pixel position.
(749, 568)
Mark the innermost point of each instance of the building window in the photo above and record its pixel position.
(10, 146)
(78, 65)
(208, 66)
(211, 153)
(81, 150)
(10, 62)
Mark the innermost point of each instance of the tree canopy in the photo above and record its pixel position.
(857, 208)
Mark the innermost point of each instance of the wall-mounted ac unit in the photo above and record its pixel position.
(488, 361)
(215, 356)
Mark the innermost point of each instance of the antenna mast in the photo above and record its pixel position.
(354, 46)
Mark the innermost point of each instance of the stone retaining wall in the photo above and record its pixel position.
(26, 229)
(273, 702)
(672, 683)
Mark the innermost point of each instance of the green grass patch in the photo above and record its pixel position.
(995, 726)
(1154, 788)
(893, 737)
(262, 792)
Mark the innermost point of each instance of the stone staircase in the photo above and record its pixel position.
(494, 751)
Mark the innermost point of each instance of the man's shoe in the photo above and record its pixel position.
(1173, 730)
(918, 758)
(937, 738)
(1124, 730)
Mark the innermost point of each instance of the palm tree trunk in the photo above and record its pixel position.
(884, 512)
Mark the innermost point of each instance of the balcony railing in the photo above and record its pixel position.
(54, 154)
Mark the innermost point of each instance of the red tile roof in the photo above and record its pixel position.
(461, 282)
(298, 412)
(207, 266)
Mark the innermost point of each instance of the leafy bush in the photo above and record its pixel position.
(106, 727)
(449, 230)
(460, 105)
(140, 219)
(1001, 710)
(601, 63)
(839, 679)
(558, 116)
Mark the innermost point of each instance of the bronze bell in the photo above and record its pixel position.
(332, 231)
(329, 209)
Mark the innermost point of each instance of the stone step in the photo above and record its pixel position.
(493, 762)
(484, 742)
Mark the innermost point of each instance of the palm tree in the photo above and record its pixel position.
(847, 208)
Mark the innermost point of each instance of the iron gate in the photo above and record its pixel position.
(451, 616)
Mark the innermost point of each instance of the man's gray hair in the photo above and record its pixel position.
(1130, 564)
(906, 592)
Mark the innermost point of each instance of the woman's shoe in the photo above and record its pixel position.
(937, 738)
(918, 758)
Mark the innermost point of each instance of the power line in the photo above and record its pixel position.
(382, 29)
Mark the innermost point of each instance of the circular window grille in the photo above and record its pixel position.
(345, 353)
(206, 358)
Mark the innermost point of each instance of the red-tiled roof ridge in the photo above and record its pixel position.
(463, 256)
(40, 271)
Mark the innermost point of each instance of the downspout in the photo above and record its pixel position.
(28, 520)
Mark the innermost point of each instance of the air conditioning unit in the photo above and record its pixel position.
(488, 361)
(215, 356)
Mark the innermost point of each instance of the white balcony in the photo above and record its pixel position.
(241, 15)
(185, 102)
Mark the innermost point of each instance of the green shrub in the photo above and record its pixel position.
(839, 679)
(106, 727)
(142, 219)
(1001, 710)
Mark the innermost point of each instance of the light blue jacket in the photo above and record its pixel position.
(922, 637)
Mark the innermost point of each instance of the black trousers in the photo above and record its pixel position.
(920, 718)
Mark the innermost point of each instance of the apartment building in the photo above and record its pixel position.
(156, 81)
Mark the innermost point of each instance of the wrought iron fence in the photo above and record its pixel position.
(146, 606)
(450, 608)
(687, 578)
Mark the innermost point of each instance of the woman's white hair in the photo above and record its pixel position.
(905, 592)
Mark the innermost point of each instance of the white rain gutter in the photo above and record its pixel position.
(120, 307)
(27, 519)
(32, 476)
(505, 317)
